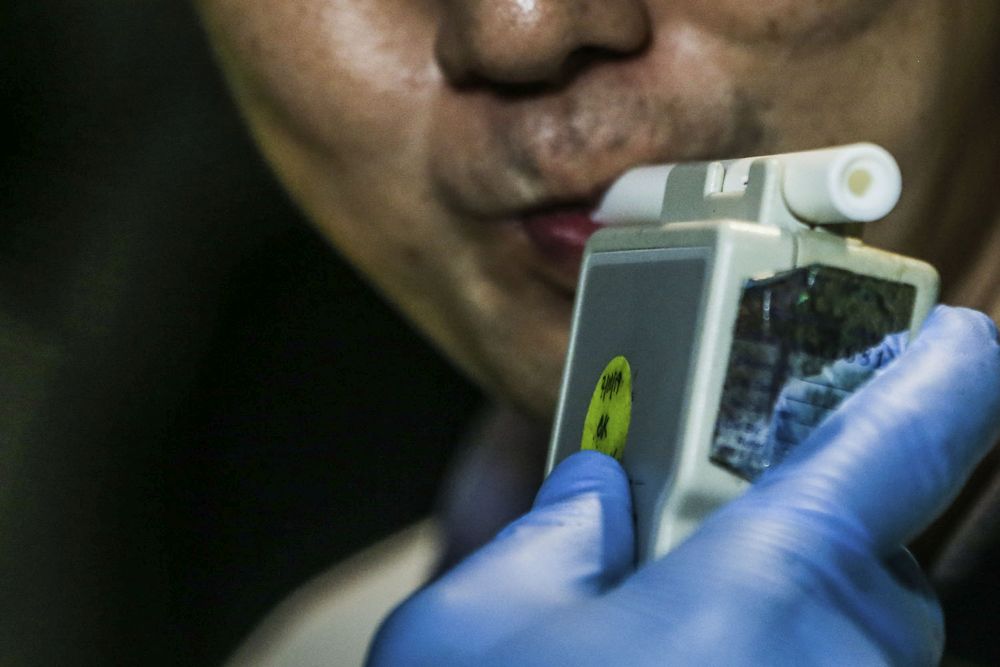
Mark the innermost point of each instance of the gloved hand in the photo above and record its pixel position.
(805, 568)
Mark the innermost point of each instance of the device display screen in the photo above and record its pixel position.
(804, 340)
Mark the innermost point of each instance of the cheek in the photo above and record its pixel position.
(790, 23)
(338, 94)
(875, 74)
(343, 76)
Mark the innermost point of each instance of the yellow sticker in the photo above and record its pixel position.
(610, 411)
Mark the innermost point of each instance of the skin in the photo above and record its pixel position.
(418, 134)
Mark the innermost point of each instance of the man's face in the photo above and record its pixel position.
(452, 149)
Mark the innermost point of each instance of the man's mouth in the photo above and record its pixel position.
(560, 234)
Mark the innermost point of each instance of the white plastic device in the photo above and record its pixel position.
(685, 248)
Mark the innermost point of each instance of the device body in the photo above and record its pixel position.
(674, 296)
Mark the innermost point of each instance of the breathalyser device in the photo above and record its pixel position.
(723, 311)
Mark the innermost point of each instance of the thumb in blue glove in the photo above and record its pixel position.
(575, 544)
(806, 567)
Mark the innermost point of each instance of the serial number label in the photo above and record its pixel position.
(605, 428)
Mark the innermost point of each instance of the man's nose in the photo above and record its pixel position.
(535, 41)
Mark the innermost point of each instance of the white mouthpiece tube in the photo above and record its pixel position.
(856, 183)
(637, 196)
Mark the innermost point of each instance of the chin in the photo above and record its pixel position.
(531, 383)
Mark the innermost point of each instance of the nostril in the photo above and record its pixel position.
(588, 56)
(580, 60)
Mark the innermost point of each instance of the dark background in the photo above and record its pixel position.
(195, 392)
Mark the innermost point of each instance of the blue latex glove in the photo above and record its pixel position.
(805, 568)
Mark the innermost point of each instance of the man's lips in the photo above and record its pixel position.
(561, 234)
